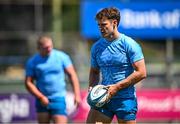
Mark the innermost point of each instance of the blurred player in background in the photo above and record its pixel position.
(121, 62)
(45, 79)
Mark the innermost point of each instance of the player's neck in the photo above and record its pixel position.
(113, 36)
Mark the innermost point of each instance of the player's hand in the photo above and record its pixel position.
(112, 90)
(77, 100)
(44, 100)
(90, 88)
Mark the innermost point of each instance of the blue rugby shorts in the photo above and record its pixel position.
(123, 108)
(57, 106)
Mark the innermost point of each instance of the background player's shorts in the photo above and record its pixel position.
(124, 109)
(57, 106)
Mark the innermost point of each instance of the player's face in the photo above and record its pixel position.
(46, 47)
(106, 27)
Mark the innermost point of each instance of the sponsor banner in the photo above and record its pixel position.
(160, 105)
(155, 105)
(138, 19)
(19, 108)
(16, 108)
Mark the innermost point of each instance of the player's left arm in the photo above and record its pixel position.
(138, 75)
(75, 83)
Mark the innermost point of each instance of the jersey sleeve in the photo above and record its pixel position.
(93, 60)
(29, 68)
(134, 51)
(66, 61)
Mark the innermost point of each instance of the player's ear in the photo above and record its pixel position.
(114, 23)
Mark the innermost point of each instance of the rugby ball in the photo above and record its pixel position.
(98, 95)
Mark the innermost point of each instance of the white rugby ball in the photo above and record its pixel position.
(98, 95)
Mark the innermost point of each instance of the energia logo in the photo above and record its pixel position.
(13, 106)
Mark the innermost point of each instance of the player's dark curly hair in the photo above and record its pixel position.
(109, 13)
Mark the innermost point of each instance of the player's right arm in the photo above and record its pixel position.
(30, 86)
(94, 76)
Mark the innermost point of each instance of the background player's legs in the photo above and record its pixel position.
(96, 116)
(43, 118)
(59, 119)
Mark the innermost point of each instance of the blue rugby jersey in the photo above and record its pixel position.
(49, 72)
(114, 59)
